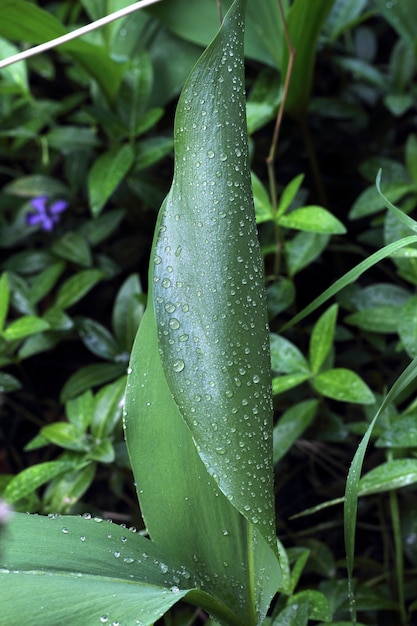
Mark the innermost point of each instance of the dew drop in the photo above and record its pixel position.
(178, 365)
(174, 323)
(223, 157)
(64, 530)
(166, 283)
(170, 307)
(210, 154)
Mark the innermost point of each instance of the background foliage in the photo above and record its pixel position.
(91, 124)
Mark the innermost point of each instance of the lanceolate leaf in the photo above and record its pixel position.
(76, 571)
(209, 297)
(205, 530)
(198, 400)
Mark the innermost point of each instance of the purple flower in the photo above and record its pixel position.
(46, 215)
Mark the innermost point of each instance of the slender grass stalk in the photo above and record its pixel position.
(399, 557)
(270, 160)
(79, 32)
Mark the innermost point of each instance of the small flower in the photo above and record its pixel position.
(46, 215)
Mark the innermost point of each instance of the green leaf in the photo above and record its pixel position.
(280, 295)
(8, 383)
(289, 193)
(33, 477)
(293, 615)
(305, 20)
(106, 174)
(402, 16)
(321, 339)
(263, 208)
(65, 435)
(15, 74)
(77, 287)
(288, 381)
(101, 227)
(318, 604)
(411, 156)
(103, 451)
(4, 299)
(349, 277)
(303, 249)
(208, 284)
(381, 319)
(343, 16)
(369, 202)
(64, 491)
(108, 408)
(291, 426)
(36, 185)
(352, 484)
(400, 434)
(407, 326)
(343, 385)
(188, 400)
(312, 219)
(24, 327)
(286, 358)
(197, 22)
(127, 312)
(152, 150)
(40, 25)
(390, 475)
(73, 247)
(44, 282)
(91, 376)
(157, 436)
(97, 338)
(79, 410)
(115, 575)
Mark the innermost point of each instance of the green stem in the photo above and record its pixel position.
(399, 557)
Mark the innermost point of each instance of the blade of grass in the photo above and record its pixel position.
(352, 482)
(349, 278)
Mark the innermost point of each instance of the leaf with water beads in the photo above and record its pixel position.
(84, 570)
(208, 284)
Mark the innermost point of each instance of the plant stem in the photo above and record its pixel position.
(58, 41)
(270, 160)
(399, 558)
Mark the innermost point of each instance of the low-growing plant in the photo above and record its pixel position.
(197, 407)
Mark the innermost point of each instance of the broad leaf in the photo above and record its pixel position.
(208, 289)
(77, 286)
(390, 475)
(90, 376)
(198, 413)
(40, 25)
(343, 385)
(305, 20)
(4, 299)
(206, 531)
(322, 337)
(312, 219)
(291, 426)
(96, 573)
(33, 477)
(106, 174)
(24, 327)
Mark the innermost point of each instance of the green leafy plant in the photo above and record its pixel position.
(197, 409)
(222, 520)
